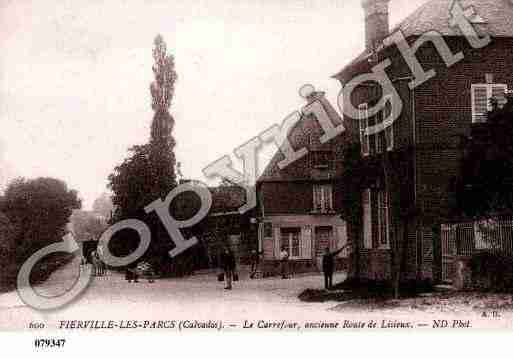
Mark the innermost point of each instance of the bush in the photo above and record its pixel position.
(492, 272)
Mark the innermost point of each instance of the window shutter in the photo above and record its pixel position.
(306, 243)
(388, 110)
(317, 198)
(328, 197)
(342, 240)
(499, 92)
(389, 137)
(364, 123)
(367, 219)
(479, 103)
(383, 220)
(277, 240)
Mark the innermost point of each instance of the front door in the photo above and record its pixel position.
(323, 240)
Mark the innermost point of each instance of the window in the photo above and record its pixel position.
(367, 219)
(384, 137)
(383, 219)
(363, 119)
(322, 198)
(234, 239)
(268, 230)
(380, 139)
(389, 130)
(290, 240)
(389, 137)
(481, 94)
(321, 159)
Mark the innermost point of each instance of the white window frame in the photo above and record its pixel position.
(363, 122)
(477, 117)
(291, 231)
(367, 219)
(323, 193)
(383, 210)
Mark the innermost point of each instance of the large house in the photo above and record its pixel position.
(422, 148)
(300, 204)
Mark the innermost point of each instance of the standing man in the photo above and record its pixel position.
(328, 266)
(228, 265)
(255, 261)
(284, 263)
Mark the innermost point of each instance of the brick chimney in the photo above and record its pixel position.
(376, 22)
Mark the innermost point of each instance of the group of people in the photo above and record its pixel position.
(228, 264)
(140, 269)
(99, 269)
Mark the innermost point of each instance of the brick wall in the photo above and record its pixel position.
(436, 115)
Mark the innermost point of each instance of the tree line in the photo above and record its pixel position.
(33, 214)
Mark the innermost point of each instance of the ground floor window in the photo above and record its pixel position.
(290, 240)
(268, 230)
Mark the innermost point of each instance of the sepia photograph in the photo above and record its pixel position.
(255, 166)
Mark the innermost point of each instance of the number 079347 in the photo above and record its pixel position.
(49, 343)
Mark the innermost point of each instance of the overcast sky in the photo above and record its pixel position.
(75, 75)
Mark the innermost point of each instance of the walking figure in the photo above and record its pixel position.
(284, 263)
(228, 265)
(98, 265)
(255, 261)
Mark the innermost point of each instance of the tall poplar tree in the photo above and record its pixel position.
(149, 172)
(162, 143)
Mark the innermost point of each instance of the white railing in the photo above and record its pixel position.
(464, 239)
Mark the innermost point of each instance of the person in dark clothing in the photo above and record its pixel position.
(284, 263)
(228, 265)
(131, 273)
(255, 261)
(328, 266)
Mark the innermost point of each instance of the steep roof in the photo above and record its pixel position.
(304, 134)
(436, 14)
(497, 16)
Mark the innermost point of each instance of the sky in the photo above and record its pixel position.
(75, 76)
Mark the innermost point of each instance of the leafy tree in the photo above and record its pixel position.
(149, 171)
(485, 186)
(39, 210)
(6, 239)
(162, 143)
(393, 172)
(7, 252)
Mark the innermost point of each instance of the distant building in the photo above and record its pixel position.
(226, 226)
(300, 204)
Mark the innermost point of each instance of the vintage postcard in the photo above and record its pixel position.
(255, 166)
